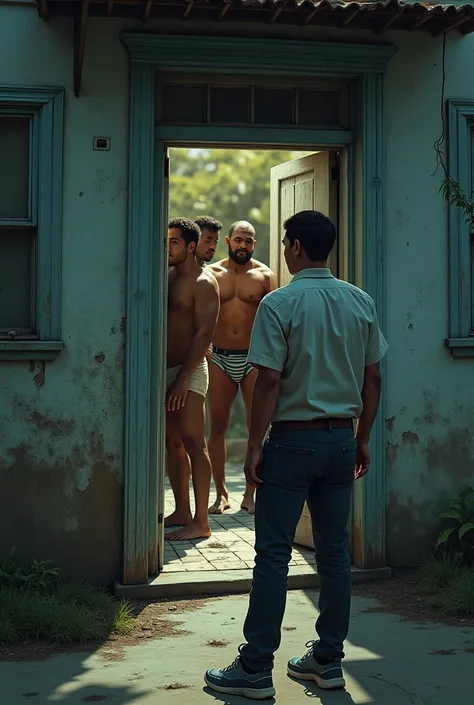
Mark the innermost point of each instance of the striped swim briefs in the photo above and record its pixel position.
(232, 362)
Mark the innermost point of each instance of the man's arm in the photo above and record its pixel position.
(206, 311)
(264, 401)
(268, 353)
(371, 389)
(370, 398)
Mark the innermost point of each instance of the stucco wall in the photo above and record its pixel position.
(61, 455)
(430, 410)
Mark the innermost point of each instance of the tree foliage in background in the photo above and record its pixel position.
(228, 184)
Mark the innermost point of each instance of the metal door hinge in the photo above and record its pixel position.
(167, 167)
(160, 518)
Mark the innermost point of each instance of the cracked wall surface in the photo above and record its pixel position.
(61, 422)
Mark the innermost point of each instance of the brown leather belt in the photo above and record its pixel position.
(280, 426)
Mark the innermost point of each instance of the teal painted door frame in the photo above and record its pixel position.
(146, 257)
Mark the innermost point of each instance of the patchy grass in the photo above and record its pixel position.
(35, 605)
(450, 583)
(438, 573)
(70, 614)
(458, 598)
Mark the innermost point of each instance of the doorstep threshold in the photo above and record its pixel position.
(229, 582)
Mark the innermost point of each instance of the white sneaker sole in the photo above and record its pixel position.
(250, 693)
(333, 684)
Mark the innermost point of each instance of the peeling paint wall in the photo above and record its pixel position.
(61, 422)
(430, 400)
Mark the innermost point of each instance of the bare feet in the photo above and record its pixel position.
(178, 519)
(248, 502)
(220, 505)
(194, 530)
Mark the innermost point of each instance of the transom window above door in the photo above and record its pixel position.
(240, 100)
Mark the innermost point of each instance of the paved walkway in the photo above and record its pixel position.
(388, 662)
(231, 545)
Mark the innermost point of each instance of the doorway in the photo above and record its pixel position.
(264, 186)
(330, 95)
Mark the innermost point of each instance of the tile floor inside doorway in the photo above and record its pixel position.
(231, 545)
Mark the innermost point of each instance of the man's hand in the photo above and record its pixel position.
(177, 394)
(209, 353)
(253, 463)
(362, 461)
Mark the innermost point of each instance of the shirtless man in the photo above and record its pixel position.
(243, 282)
(193, 308)
(210, 231)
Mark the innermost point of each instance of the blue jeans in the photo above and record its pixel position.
(317, 466)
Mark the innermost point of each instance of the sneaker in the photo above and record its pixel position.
(328, 676)
(233, 680)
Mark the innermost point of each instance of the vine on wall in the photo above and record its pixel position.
(451, 189)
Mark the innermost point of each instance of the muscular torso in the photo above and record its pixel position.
(240, 294)
(181, 314)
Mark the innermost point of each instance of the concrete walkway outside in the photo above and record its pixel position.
(231, 545)
(389, 662)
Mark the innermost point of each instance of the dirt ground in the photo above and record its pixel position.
(401, 595)
(404, 596)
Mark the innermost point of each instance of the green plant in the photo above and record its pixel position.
(458, 598)
(458, 537)
(437, 572)
(39, 575)
(454, 195)
(36, 604)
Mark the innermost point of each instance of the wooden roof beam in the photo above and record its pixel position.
(393, 18)
(146, 14)
(80, 26)
(347, 20)
(223, 12)
(453, 25)
(276, 15)
(422, 20)
(309, 16)
(188, 9)
(43, 9)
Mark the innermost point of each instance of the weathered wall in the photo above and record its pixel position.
(61, 456)
(430, 410)
(61, 423)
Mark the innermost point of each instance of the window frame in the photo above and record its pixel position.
(46, 108)
(460, 127)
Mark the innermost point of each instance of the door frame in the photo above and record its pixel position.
(365, 65)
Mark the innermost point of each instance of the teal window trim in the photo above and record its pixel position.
(364, 65)
(461, 280)
(46, 108)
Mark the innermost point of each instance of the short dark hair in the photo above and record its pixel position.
(190, 231)
(207, 222)
(315, 232)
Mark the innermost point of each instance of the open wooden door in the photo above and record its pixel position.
(302, 184)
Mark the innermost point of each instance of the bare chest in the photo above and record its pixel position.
(248, 287)
(180, 297)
